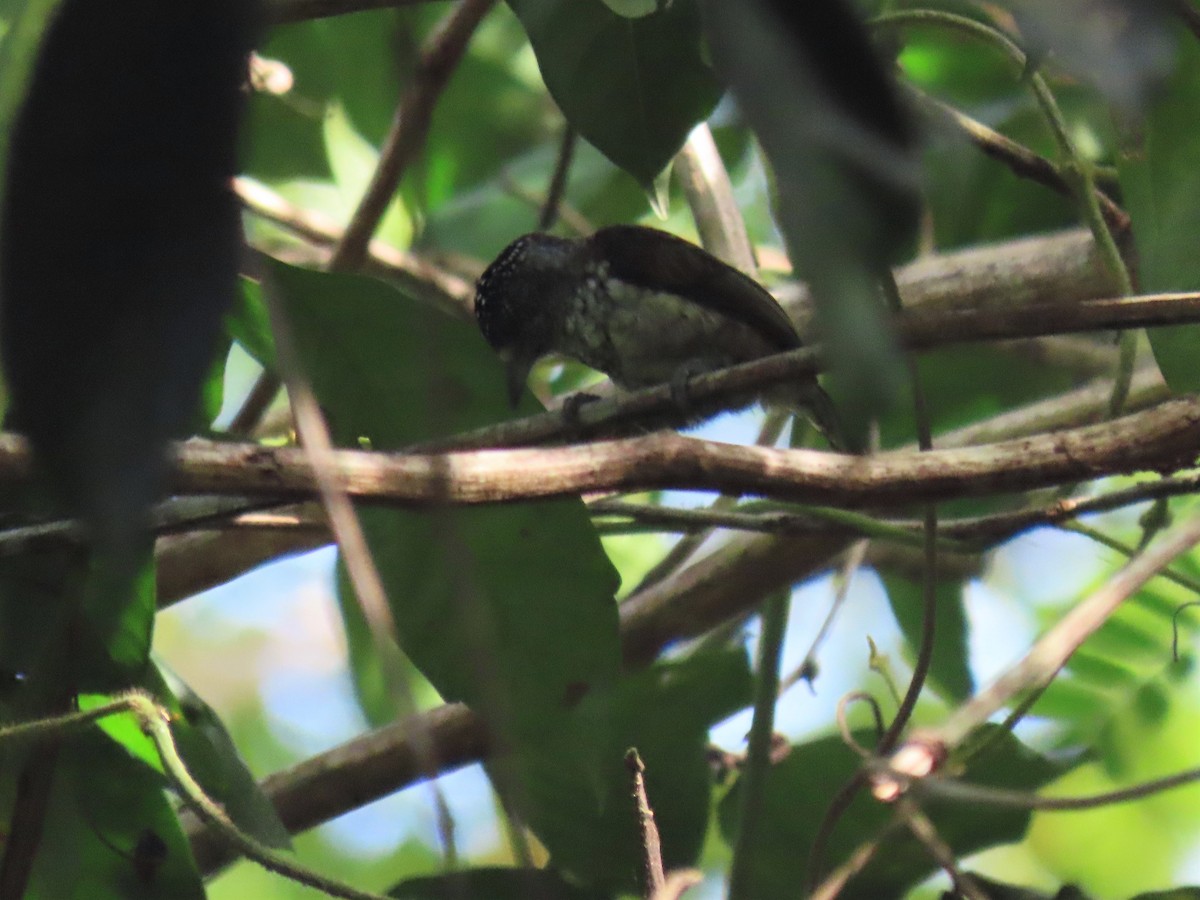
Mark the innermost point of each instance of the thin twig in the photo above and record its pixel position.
(808, 668)
(439, 56)
(1016, 156)
(1053, 650)
(753, 780)
(655, 878)
(857, 861)
(930, 575)
(966, 793)
(413, 273)
(558, 181)
(925, 832)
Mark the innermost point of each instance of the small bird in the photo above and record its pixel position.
(640, 305)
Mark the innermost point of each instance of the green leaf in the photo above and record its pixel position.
(573, 787)
(800, 788)
(27, 21)
(249, 324)
(209, 753)
(288, 137)
(1160, 180)
(110, 831)
(523, 592)
(950, 670)
(633, 87)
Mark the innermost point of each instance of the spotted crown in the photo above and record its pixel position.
(512, 293)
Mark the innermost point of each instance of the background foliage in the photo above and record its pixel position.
(510, 608)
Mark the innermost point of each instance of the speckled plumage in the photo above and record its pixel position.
(638, 304)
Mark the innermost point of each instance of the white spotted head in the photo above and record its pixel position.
(516, 292)
(519, 300)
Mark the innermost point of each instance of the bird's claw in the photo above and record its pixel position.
(574, 403)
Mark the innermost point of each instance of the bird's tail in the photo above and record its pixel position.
(810, 401)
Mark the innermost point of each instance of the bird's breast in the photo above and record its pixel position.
(639, 336)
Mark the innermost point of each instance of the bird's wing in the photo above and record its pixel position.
(658, 260)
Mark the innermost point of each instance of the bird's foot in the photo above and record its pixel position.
(681, 391)
(573, 404)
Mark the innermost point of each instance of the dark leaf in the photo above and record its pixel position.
(119, 243)
(524, 591)
(633, 87)
(572, 785)
(110, 831)
(1160, 177)
(846, 178)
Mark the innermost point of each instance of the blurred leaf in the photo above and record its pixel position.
(485, 220)
(119, 248)
(573, 787)
(633, 87)
(799, 790)
(494, 884)
(287, 136)
(110, 831)
(209, 753)
(950, 670)
(1123, 48)
(27, 20)
(841, 149)
(249, 324)
(523, 591)
(1160, 178)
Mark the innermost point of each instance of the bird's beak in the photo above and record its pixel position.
(517, 368)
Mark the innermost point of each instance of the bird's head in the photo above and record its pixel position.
(520, 298)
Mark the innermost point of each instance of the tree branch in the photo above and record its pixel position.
(372, 765)
(440, 55)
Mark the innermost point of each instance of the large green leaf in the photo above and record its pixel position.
(633, 87)
(507, 608)
(1161, 180)
(110, 831)
(573, 787)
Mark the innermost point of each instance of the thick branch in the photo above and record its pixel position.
(684, 605)
(372, 765)
(1161, 439)
(919, 330)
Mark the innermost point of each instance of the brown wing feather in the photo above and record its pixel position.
(656, 259)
